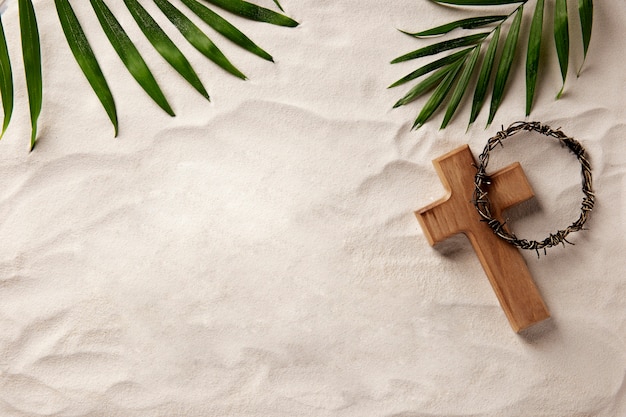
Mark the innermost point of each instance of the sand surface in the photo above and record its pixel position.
(258, 255)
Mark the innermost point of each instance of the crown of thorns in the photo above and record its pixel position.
(482, 181)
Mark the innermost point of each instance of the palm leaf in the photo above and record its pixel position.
(85, 58)
(432, 66)
(585, 11)
(278, 5)
(6, 80)
(226, 29)
(128, 53)
(461, 87)
(424, 86)
(164, 45)
(438, 96)
(471, 23)
(127, 50)
(506, 61)
(196, 37)
(479, 2)
(484, 76)
(442, 46)
(561, 38)
(482, 73)
(532, 55)
(254, 12)
(31, 52)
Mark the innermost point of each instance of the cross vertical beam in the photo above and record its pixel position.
(504, 265)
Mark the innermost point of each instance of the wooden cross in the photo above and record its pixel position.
(455, 213)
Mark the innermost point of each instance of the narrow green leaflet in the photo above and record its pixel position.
(442, 46)
(561, 38)
(504, 66)
(164, 45)
(129, 54)
(478, 2)
(438, 96)
(585, 11)
(423, 86)
(196, 37)
(6, 80)
(226, 29)
(432, 66)
(461, 86)
(484, 76)
(471, 23)
(532, 55)
(278, 5)
(254, 12)
(31, 52)
(85, 58)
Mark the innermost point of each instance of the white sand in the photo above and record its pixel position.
(258, 255)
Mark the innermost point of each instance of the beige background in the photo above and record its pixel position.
(258, 255)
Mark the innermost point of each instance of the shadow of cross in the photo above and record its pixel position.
(455, 213)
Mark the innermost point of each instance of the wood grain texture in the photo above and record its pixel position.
(502, 262)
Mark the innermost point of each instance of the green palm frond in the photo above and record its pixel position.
(31, 52)
(6, 80)
(467, 59)
(178, 16)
